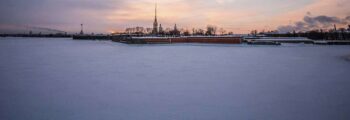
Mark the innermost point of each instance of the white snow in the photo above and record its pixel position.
(281, 39)
(63, 79)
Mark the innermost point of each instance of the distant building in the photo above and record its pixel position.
(81, 31)
(139, 29)
(149, 30)
(335, 27)
(175, 28)
(155, 23)
(161, 28)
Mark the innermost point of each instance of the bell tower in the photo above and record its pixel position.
(155, 23)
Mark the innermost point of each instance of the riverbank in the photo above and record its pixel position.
(135, 39)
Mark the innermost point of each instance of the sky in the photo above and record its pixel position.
(105, 16)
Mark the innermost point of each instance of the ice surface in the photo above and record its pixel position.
(62, 79)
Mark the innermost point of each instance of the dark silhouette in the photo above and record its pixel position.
(332, 34)
(82, 29)
(211, 30)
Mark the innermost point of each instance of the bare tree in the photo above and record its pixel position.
(186, 33)
(211, 30)
(222, 31)
(198, 31)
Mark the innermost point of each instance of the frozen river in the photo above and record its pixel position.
(63, 79)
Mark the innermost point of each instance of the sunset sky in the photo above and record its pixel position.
(104, 16)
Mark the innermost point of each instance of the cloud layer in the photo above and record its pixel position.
(317, 22)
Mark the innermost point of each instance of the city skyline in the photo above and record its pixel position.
(106, 16)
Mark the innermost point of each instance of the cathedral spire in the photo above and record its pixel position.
(155, 23)
(155, 11)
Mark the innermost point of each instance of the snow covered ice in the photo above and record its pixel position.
(63, 79)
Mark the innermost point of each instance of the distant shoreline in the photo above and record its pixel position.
(199, 39)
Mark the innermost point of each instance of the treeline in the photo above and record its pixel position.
(37, 35)
(316, 35)
(333, 34)
(210, 30)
